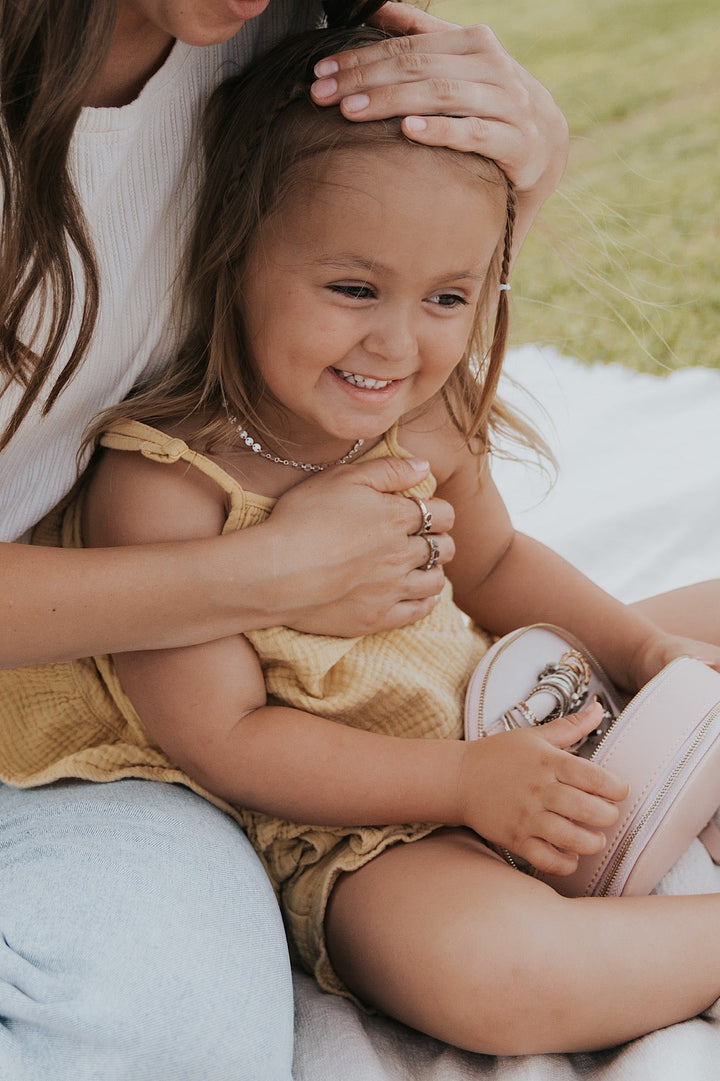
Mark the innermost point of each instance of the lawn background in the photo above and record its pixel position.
(624, 263)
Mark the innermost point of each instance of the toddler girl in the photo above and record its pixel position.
(341, 283)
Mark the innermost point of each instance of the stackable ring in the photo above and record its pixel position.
(529, 717)
(426, 524)
(433, 552)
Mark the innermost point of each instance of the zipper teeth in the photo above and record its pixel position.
(483, 685)
(570, 640)
(669, 781)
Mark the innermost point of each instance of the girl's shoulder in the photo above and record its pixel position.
(142, 488)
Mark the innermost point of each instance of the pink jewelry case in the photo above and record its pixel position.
(665, 742)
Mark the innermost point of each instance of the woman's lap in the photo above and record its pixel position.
(140, 938)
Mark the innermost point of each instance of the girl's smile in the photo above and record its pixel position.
(361, 292)
(367, 389)
(364, 381)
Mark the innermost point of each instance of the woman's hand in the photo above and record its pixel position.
(456, 87)
(524, 791)
(348, 552)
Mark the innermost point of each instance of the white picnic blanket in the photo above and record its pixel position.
(637, 508)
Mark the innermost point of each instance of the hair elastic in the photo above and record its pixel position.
(504, 287)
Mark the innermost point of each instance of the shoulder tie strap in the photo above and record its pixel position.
(133, 435)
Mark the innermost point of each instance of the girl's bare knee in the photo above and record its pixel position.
(437, 934)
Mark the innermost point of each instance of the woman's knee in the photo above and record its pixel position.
(141, 919)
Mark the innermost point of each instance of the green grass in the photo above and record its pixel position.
(623, 265)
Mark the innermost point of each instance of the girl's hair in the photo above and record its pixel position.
(264, 138)
(50, 50)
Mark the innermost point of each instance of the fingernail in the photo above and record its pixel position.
(326, 67)
(418, 464)
(415, 123)
(324, 89)
(356, 103)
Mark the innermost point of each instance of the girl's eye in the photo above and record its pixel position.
(354, 291)
(447, 300)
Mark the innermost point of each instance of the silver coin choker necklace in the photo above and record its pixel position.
(305, 467)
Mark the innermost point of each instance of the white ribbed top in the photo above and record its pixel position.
(128, 166)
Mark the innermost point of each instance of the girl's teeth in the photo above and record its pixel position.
(363, 381)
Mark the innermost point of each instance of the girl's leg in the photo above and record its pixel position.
(444, 937)
(139, 938)
(693, 611)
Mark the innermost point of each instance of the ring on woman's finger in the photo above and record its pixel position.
(433, 552)
(426, 523)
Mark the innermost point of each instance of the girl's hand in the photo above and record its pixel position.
(659, 650)
(456, 87)
(523, 791)
(364, 574)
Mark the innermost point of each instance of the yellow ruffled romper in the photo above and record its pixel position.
(73, 719)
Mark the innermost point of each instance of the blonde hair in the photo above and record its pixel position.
(263, 137)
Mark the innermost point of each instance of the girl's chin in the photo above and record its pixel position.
(368, 433)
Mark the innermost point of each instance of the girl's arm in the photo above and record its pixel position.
(504, 580)
(57, 604)
(466, 90)
(205, 705)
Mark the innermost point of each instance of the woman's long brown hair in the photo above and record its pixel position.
(49, 52)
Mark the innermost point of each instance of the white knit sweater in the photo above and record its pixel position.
(128, 165)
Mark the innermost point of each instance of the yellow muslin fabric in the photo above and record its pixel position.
(73, 719)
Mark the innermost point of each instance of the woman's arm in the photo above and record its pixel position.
(57, 604)
(205, 704)
(466, 90)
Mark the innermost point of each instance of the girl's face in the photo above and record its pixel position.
(361, 292)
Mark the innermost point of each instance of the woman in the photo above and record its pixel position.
(140, 936)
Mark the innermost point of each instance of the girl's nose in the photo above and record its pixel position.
(392, 336)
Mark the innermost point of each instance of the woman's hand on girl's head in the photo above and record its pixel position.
(457, 87)
(348, 555)
(522, 790)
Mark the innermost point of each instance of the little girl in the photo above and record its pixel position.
(341, 282)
